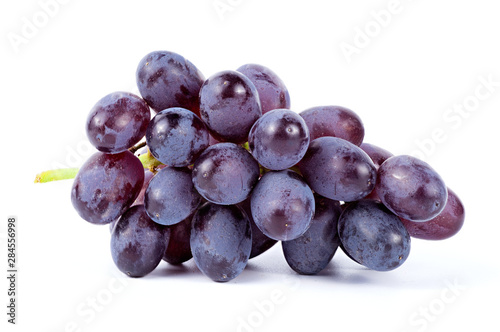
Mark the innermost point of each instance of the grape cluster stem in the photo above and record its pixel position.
(147, 160)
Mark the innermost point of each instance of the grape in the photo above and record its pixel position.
(410, 188)
(260, 242)
(378, 156)
(312, 251)
(231, 170)
(273, 93)
(373, 236)
(338, 169)
(171, 196)
(137, 243)
(117, 122)
(229, 106)
(106, 185)
(225, 173)
(176, 137)
(178, 247)
(444, 226)
(166, 79)
(221, 241)
(279, 139)
(334, 121)
(282, 205)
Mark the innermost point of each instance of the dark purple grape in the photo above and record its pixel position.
(225, 174)
(137, 243)
(282, 205)
(373, 236)
(176, 137)
(338, 169)
(221, 241)
(260, 242)
(312, 251)
(334, 121)
(117, 122)
(166, 79)
(444, 226)
(178, 247)
(279, 139)
(171, 196)
(378, 156)
(229, 106)
(273, 93)
(410, 188)
(106, 185)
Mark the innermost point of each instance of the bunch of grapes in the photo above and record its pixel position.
(231, 170)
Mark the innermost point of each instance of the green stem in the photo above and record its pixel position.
(147, 160)
(246, 146)
(56, 174)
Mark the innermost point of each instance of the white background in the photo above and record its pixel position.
(403, 81)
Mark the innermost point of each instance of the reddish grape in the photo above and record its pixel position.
(273, 93)
(444, 226)
(178, 248)
(334, 121)
(378, 156)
